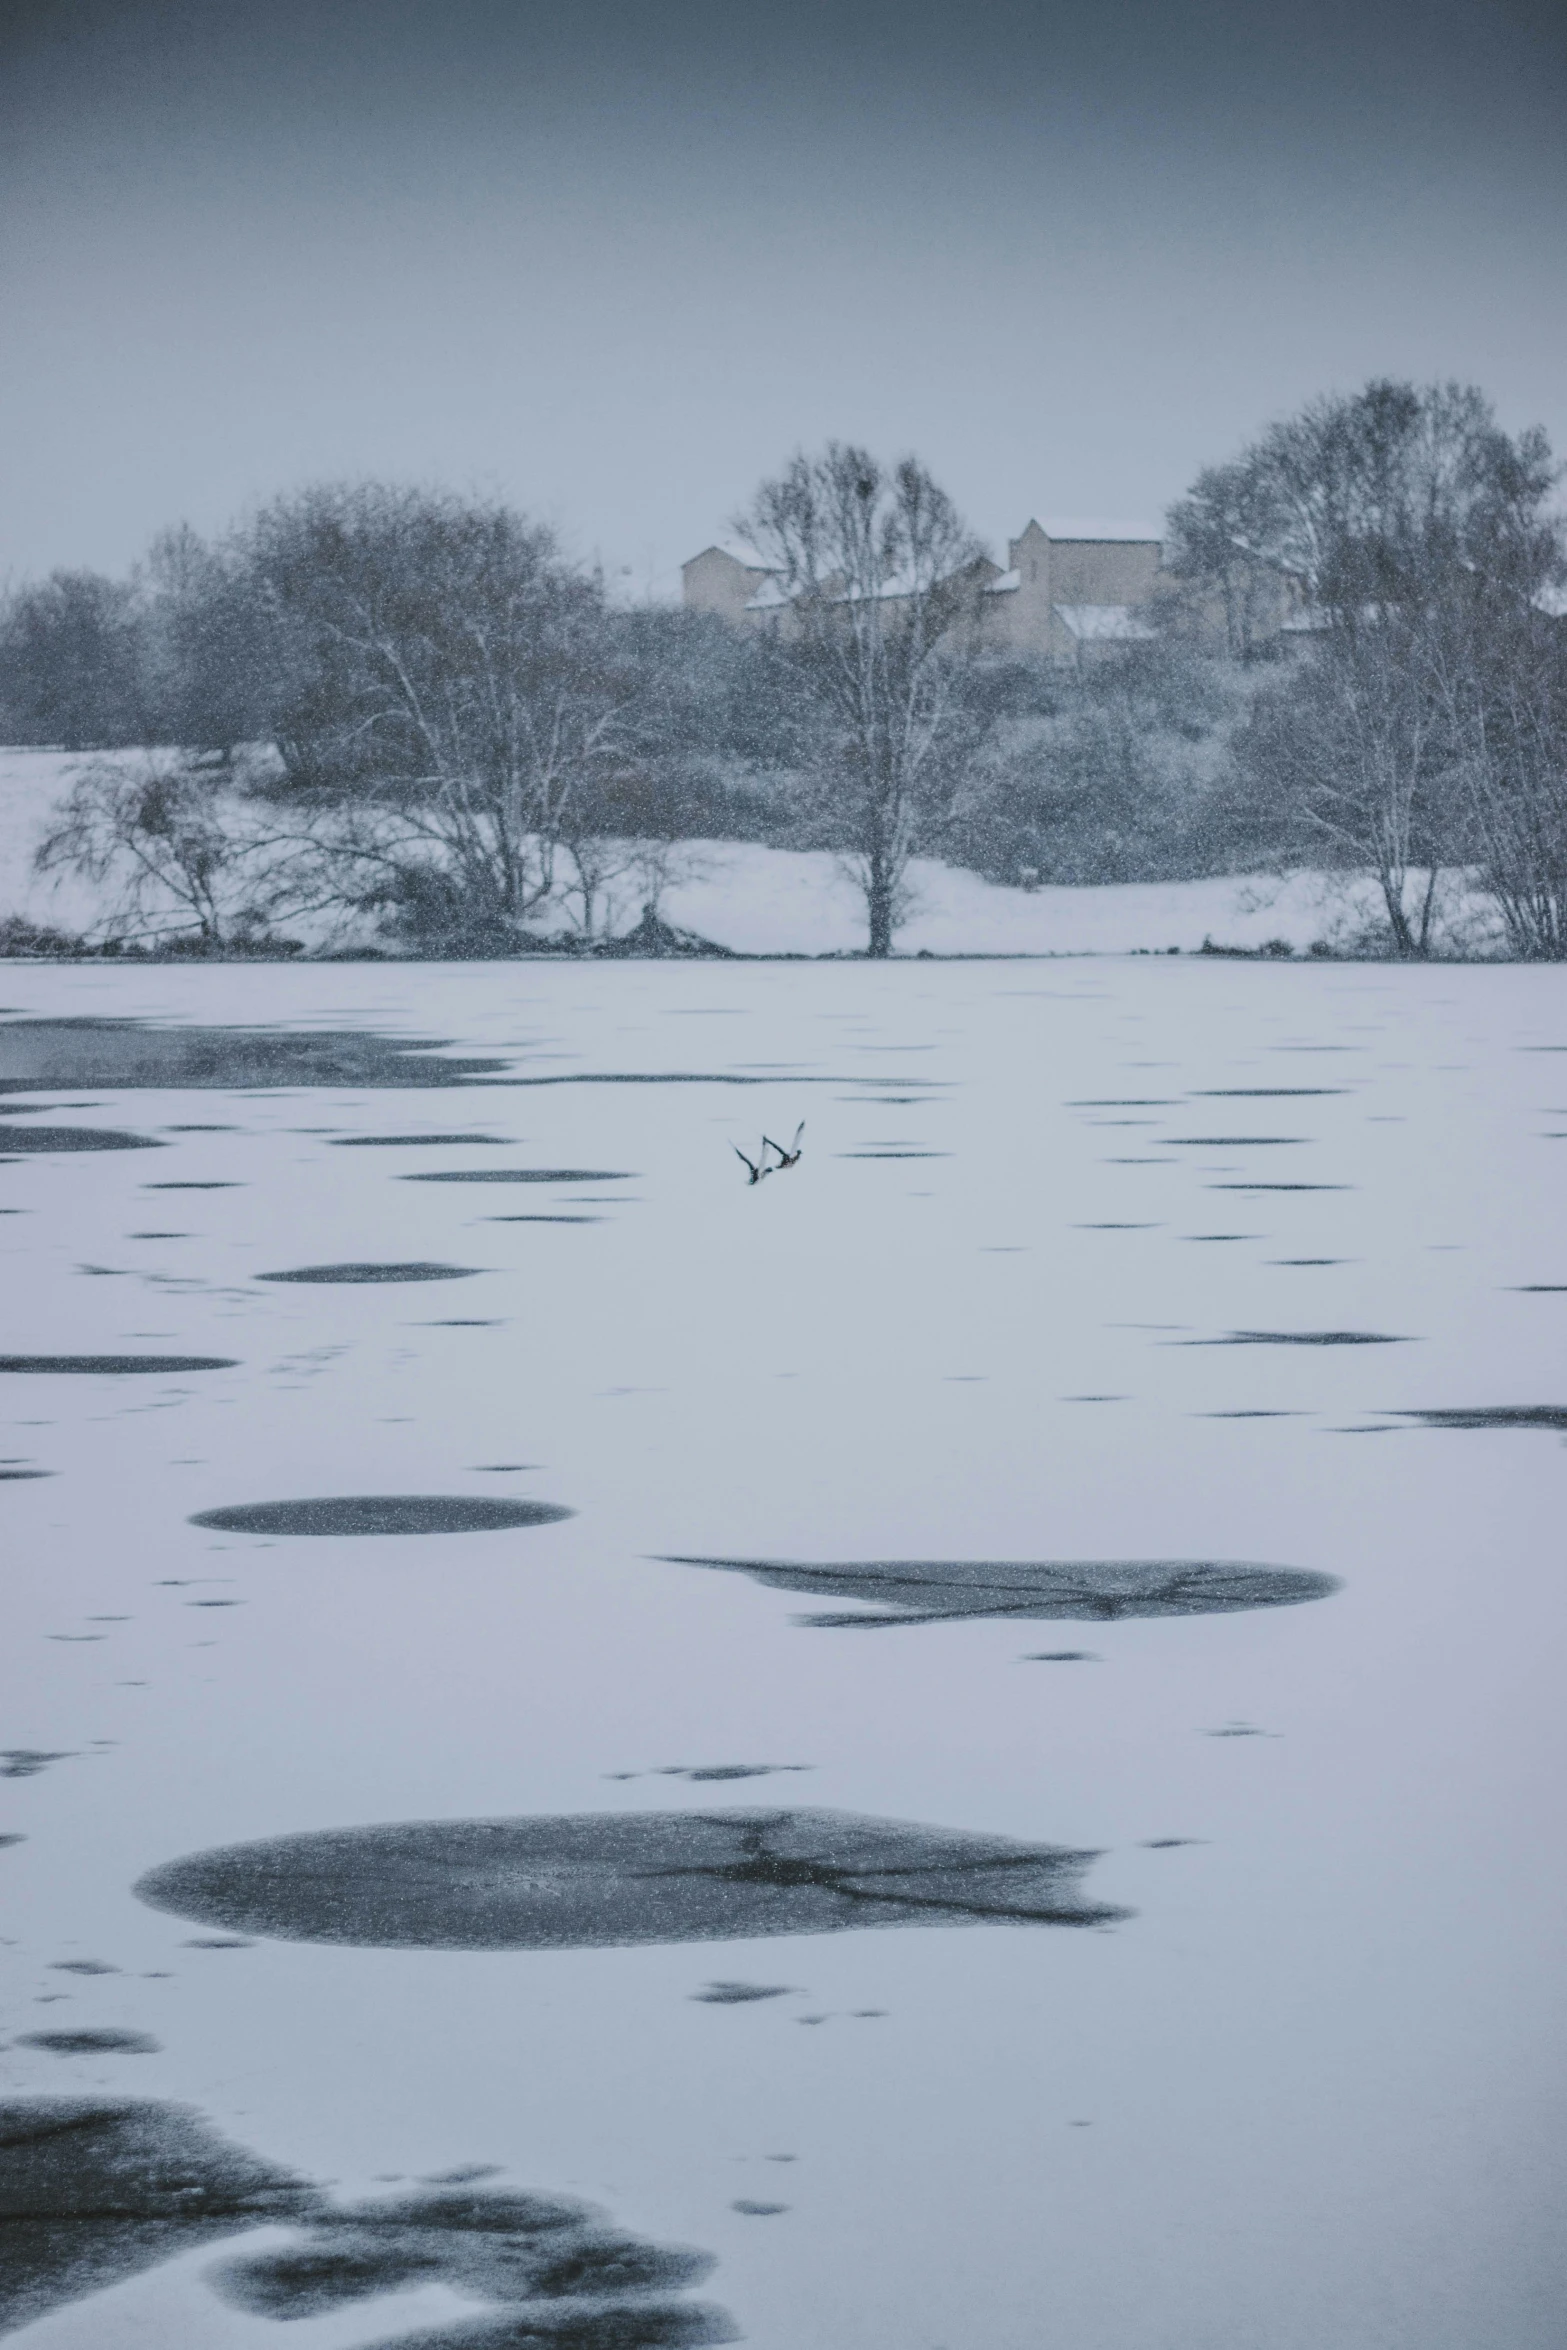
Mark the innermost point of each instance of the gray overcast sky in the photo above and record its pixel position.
(615, 258)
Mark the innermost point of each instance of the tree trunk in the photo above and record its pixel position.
(879, 895)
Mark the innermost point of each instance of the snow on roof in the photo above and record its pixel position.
(747, 556)
(1076, 527)
(1004, 583)
(1105, 623)
(767, 598)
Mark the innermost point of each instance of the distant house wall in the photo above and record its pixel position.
(1058, 573)
(722, 581)
(1072, 564)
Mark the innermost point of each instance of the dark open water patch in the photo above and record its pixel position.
(15, 1476)
(387, 1142)
(1265, 1093)
(382, 1513)
(7, 1841)
(731, 1994)
(597, 1880)
(75, 1138)
(788, 1076)
(119, 1366)
(552, 2264)
(92, 2043)
(1296, 1338)
(1280, 1187)
(356, 1273)
(95, 2189)
(624, 2325)
(25, 1762)
(934, 1591)
(1551, 1416)
(130, 1056)
(1230, 1142)
(519, 1175)
(631, 2325)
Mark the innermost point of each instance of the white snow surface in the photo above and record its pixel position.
(766, 901)
(1307, 2093)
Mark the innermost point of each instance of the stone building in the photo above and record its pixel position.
(1073, 586)
(1072, 591)
(1069, 587)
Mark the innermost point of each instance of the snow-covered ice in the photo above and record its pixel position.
(1301, 2093)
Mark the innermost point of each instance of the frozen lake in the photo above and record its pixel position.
(1166, 1873)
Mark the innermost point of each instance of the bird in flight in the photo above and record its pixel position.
(755, 1168)
(786, 1158)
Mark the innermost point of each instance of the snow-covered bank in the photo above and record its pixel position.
(763, 901)
(780, 901)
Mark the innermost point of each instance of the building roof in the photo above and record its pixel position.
(1005, 583)
(1057, 526)
(747, 557)
(1105, 624)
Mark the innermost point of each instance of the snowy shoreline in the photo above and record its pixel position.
(769, 904)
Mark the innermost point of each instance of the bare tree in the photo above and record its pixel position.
(1352, 755)
(1418, 726)
(1503, 693)
(878, 585)
(452, 687)
(71, 663)
(1222, 545)
(208, 651)
(1380, 497)
(173, 852)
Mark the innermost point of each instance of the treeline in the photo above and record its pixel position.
(1428, 729)
(404, 706)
